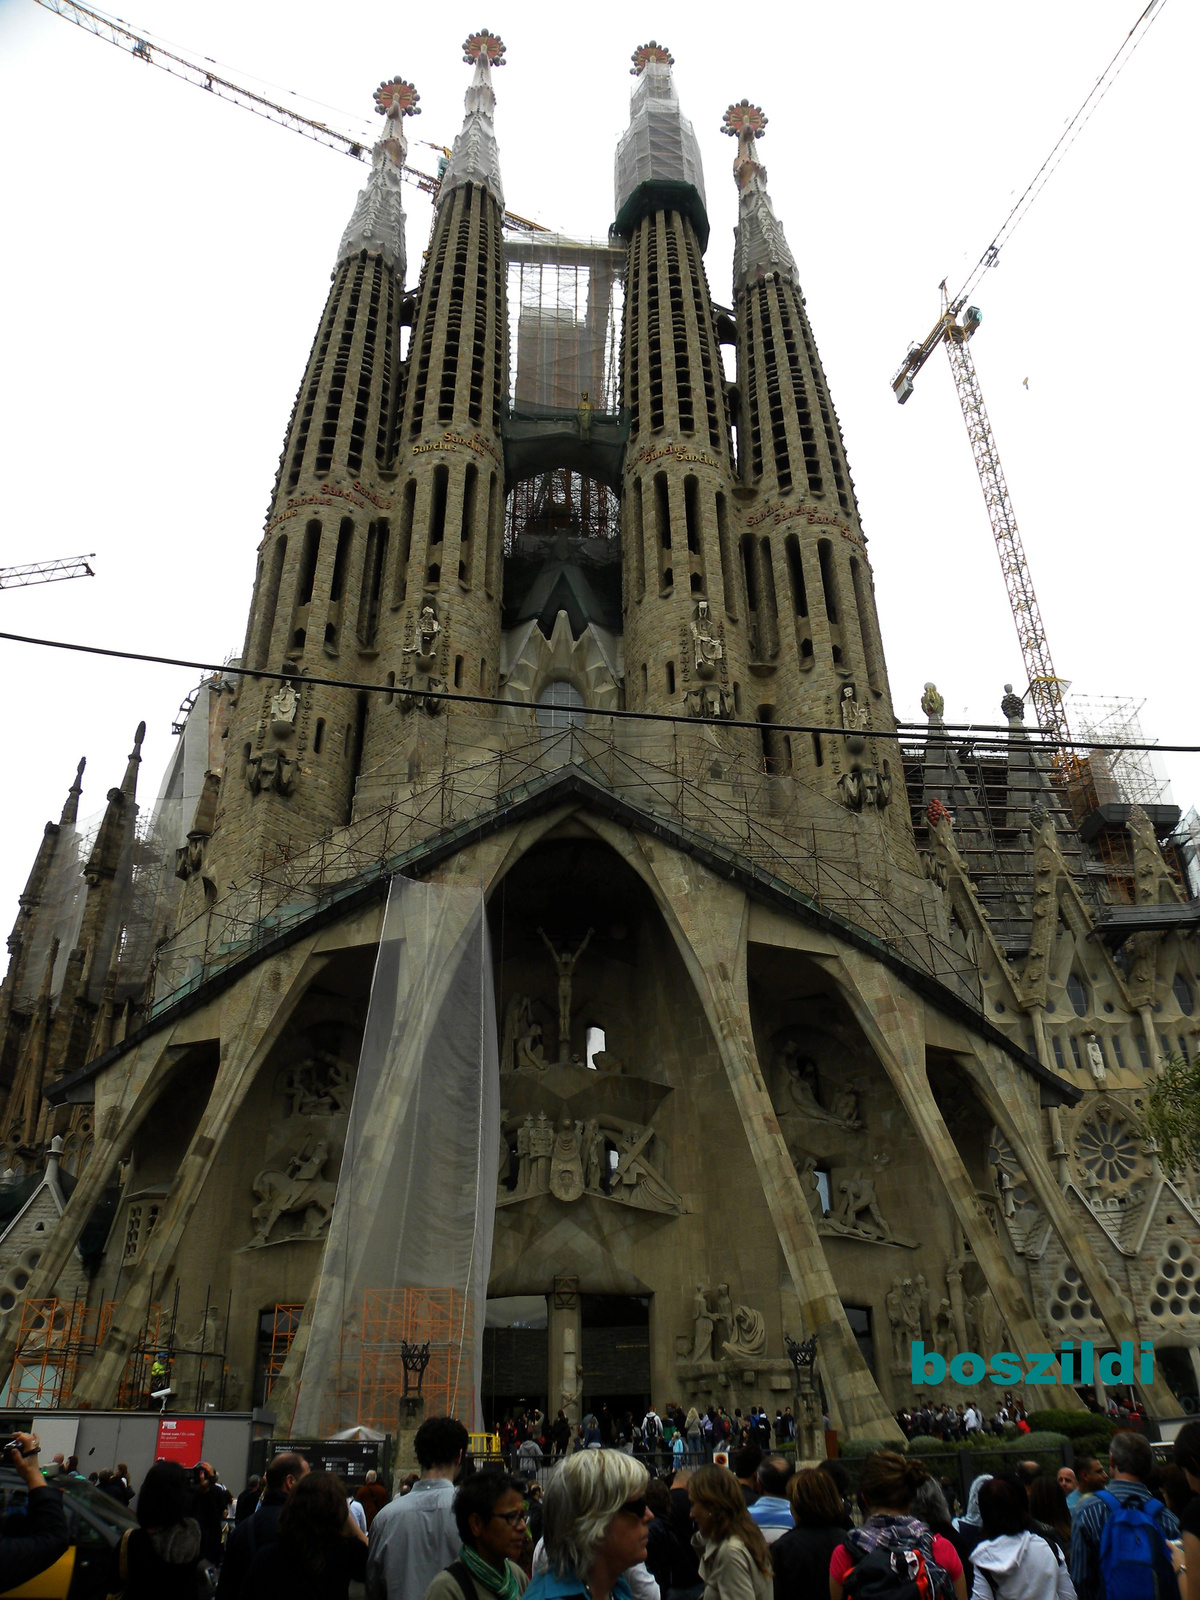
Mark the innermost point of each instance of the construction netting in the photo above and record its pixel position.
(406, 1262)
(565, 302)
(659, 145)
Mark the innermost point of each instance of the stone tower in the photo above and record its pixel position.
(686, 642)
(815, 645)
(441, 628)
(295, 748)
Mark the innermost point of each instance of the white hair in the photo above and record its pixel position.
(582, 1498)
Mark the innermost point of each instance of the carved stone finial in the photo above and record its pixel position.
(932, 703)
(744, 120)
(1012, 705)
(649, 52)
(936, 812)
(398, 98)
(484, 43)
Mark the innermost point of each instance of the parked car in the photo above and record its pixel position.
(95, 1523)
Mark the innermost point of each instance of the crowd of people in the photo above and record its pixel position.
(609, 1526)
(671, 1436)
(1008, 1418)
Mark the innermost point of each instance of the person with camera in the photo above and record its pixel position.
(24, 1555)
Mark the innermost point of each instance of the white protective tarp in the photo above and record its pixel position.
(659, 145)
(410, 1239)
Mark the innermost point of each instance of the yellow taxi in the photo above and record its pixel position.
(95, 1523)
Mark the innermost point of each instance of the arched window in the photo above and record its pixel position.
(1077, 995)
(560, 705)
(1182, 991)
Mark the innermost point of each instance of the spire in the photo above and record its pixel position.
(760, 249)
(129, 782)
(70, 810)
(377, 223)
(658, 158)
(475, 157)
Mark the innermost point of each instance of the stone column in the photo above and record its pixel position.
(564, 1367)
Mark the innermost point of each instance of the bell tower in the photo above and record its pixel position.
(685, 637)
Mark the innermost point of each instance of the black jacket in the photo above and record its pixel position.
(279, 1573)
(249, 1537)
(687, 1562)
(801, 1560)
(26, 1554)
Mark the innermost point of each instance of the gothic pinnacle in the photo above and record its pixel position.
(70, 810)
(129, 782)
(377, 222)
(760, 249)
(475, 157)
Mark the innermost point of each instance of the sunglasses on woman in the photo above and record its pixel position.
(636, 1508)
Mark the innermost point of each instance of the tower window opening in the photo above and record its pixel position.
(483, 677)
(796, 574)
(691, 511)
(1182, 990)
(1143, 1052)
(728, 573)
(749, 572)
(331, 635)
(489, 561)
(299, 639)
(670, 677)
(270, 599)
(636, 537)
(433, 575)
(466, 545)
(775, 755)
(594, 1042)
(828, 579)
(458, 672)
(1059, 1059)
(341, 557)
(818, 753)
(308, 563)
(560, 705)
(1117, 1050)
(245, 759)
(697, 583)
(866, 621)
(319, 736)
(737, 699)
(437, 511)
(1075, 1052)
(408, 503)
(645, 682)
(374, 564)
(1077, 994)
(391, 683)
(768, 620)
(357, 740)
(662, 510)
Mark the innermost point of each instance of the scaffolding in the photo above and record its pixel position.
(193, 1369)
(55, 1336)
(566, 331)
(1121, 777)
(562, 501)
(285, 1323)
(393, 1318)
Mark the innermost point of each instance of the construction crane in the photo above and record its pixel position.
(47, 572)
(955, 325)
(137, 45)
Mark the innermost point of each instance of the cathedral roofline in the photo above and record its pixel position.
(543, 795)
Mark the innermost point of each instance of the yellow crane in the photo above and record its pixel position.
(957, 322)
(116, 32)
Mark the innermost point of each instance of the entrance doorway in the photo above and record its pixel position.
(616, 1360)
(515, 1354)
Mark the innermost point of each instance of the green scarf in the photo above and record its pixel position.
(503, 1583)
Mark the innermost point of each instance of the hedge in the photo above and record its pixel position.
(1075, 1424)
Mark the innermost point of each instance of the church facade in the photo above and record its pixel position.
(805, 1023)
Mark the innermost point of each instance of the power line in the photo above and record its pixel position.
(984, 734)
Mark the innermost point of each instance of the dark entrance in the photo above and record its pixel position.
(515, 1354)
(616, 1356)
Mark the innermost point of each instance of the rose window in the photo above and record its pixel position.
(1107, 1149)
(1177, 1283)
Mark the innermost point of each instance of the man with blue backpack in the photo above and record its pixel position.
(1119, 1537)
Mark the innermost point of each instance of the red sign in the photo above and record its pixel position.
(180, 1439)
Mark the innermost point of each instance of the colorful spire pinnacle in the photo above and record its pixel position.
(760, 248)
(649, 52)
(377, 222)
(475, 157)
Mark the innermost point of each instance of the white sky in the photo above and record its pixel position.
(167, 257)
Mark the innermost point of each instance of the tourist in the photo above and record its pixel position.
(43, 1538)
(771, 1513)
(1011, 1561)
(595, 1527)
(160, 1559)
(734, 1561)
(1065, 1477)
(210, 1501)
(835, 1469)
(257, 1531)
(489, 1512)
(372, 1497)
(694, 1432)
(744, 1463)
(1130, 1465)
(319, 1551)
(662, 1546)
(686, 1583)
(247, 1502)
(1049, 1510)
(1090, 1477)
(886, 1487)
(929, 1504)
(415, 1536)
(970, 1524)
(801, 1557)
(1187, 1456)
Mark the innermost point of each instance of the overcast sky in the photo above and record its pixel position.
(167, 258)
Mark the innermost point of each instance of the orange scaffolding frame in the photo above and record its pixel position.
(54, 1335)
(393, 1317)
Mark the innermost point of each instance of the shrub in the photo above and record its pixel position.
(857, 1448)
(1042, 1439)
(1075, 1424)
(923, 1444)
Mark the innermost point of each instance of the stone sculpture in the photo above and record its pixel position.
(565, 967)
(566, 1168)
(572, 1159)
(858, 1209)
(801, 1073)
(541, 1150)
(300, 1191)
(707, 649)
(702, 1326)
(749, 1339)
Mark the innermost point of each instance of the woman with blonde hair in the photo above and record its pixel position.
(595, 1523)
(734, 1562)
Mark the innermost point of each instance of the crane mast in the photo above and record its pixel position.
(46, 572)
